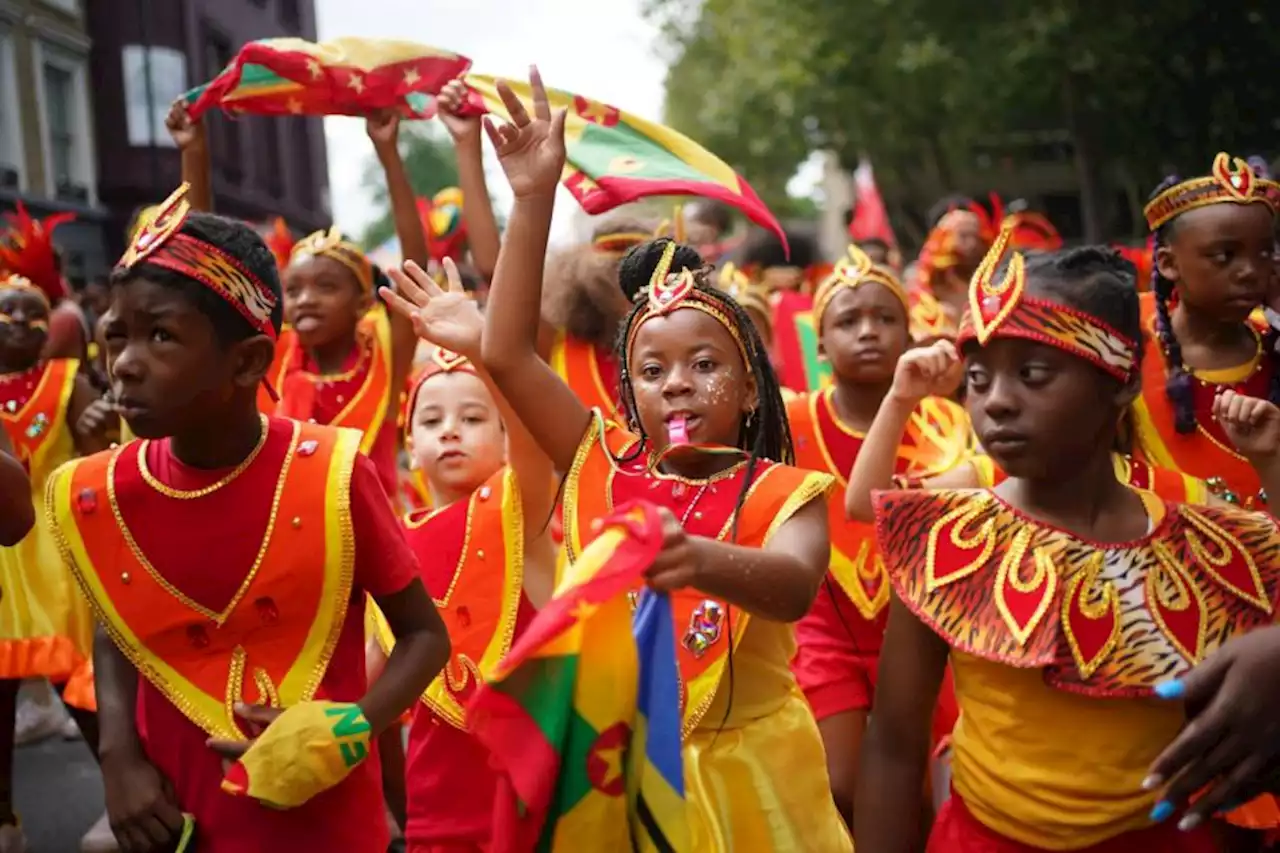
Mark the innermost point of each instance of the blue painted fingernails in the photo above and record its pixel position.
(1174, 689)
(1162, 811)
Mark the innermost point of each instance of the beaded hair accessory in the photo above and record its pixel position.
(668, 291)
(745, 291)
(330, 244)
(1001, 308)
(852, 271)
(158, 242)
(1231, 181)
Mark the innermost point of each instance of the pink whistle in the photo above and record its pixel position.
(677, 431)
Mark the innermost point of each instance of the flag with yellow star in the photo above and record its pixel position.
(613, 157)
(346, 76)
(560, 715)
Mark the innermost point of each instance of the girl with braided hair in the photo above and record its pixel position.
(1213, 266)
(1063, 597)
(745, 534)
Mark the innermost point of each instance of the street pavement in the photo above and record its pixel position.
(58, 794)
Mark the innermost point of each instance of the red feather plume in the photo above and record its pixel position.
(27, 250)
(280, 241)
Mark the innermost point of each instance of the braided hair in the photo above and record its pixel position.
(1179, 387)
(766, 434)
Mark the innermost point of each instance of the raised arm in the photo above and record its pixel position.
(477, 210)
(531, 150)
(450, 319)
(931, 370)
(895, 752)
(384, 131)
(1253, 425)
(188, 134)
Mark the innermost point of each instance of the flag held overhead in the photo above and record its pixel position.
(613, 157)
(346, 76)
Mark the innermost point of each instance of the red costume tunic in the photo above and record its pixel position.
(241, 594)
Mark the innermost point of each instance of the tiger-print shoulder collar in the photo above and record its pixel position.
(1105, 620)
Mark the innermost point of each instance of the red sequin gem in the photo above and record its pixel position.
(464, 617)
(990, 305)
(267, 611)
(678, 490)
(197, 636)
(87, 501)
(308, 447)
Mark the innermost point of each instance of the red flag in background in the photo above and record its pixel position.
(870, 218)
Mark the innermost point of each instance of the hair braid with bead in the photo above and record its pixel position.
(1178, 385)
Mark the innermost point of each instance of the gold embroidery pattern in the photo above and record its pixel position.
(1106, 620)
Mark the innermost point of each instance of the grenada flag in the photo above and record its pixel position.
(346, 76)
(562, 719)
(613, 157)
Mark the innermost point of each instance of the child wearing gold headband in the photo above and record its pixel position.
(961, 233)
(227, 556)
(1214, 259)
(50, 412)
(485, 554)
(341, 359)
(1062, 597)
(706, 439)
(860, 313)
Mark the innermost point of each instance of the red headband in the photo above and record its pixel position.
(441, 361)
(159, 242)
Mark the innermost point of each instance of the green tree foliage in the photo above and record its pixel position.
(1140, 89)
(431, 165)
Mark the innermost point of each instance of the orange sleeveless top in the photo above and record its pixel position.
(32, 418)
(1206, 454)
(472, 559)
(937, 438)
(200, 660)
(592, 372)
(357, 399)
(603, 476)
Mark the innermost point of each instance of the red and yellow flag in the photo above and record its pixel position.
(346, 76)
(613, 157)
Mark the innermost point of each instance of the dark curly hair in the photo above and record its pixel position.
(240, 242)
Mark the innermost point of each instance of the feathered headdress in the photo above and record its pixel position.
(28, 250)
(1033, 232)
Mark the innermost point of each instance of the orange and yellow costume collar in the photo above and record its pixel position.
(668, 291)
(854, 270)
(330, 244)
(160, 242)
(1230, 181)
(1002, 309)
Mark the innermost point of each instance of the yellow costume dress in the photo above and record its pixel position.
(755, 772)
(46, 629)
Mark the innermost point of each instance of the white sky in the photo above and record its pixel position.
(602, 49)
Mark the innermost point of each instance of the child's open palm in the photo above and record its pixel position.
(531, 149)
(448, 318)
(1253, 425)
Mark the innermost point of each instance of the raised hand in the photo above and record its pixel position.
(531, 149)
(448, 318)
(449, 104)
(185, 131)
(383, 127)
(1253, 425)
(935, 370)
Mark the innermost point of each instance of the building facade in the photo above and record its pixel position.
(47, 151)
(144, 54)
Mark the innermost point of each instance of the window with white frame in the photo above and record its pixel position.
(65, 124)
(11, 165)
